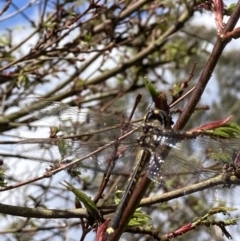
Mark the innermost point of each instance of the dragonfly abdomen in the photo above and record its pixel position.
(145, 156)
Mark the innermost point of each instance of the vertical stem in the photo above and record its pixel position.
(131, 207)
(122, 215)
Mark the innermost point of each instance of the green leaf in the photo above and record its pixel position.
(117, 197)
(223, 210)
(82, 197)
(2, 182)
(230, 130)
(153, 92)
(176, 89)
(23, 80)
(139, 219)
(63, 147)
(229, 10)
(224, 157)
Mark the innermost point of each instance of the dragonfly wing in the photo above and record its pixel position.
(93, 130)
(49, 150)
(71, 120)
(60, 151)
(195, 160)
(117, 160)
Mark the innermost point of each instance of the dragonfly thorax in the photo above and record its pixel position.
(152, 140)
(155, 121)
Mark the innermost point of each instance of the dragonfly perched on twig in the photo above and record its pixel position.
(114, 143)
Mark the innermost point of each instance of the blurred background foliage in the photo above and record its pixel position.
(98, 54)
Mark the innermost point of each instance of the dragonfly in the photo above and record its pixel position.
(110, 143)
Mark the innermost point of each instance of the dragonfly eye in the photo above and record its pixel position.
(156, 118)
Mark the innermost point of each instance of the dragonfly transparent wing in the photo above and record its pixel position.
(70, 120)
(194, 160)
(93, 130)
(61, 151)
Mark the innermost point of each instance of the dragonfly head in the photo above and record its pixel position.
(157, 118)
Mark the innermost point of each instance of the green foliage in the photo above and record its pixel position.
(151, 89)
(229, 10)
(2, 178)
(23, 80)
(83, 198)
(139, 217)
(230, 130)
